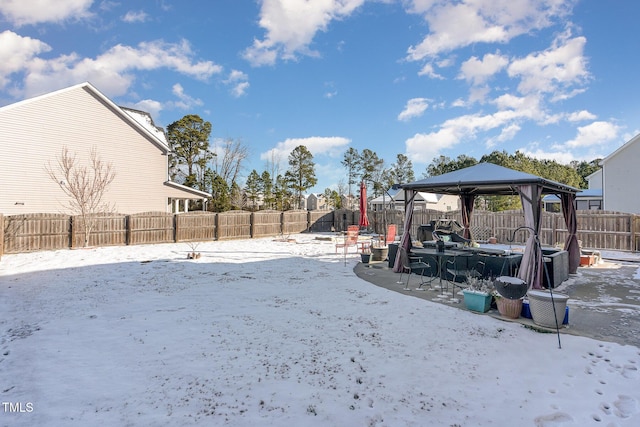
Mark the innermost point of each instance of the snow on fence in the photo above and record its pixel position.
(35, 232)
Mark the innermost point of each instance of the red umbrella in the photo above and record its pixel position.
(364, 221)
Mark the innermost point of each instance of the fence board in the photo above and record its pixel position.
(107, 230)
(35, 232)
(234, 225)
(295, 221)
(151, 227)
(266, 223)
(320, 221)
(197, 226)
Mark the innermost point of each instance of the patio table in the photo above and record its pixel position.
(441, 258)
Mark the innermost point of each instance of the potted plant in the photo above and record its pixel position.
(507, 307)
(478, 295)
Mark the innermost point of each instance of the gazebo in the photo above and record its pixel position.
(491, 179)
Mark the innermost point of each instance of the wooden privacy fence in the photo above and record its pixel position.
(34, 232)
(596, 229)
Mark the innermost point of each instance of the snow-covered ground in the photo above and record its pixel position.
(266, 332)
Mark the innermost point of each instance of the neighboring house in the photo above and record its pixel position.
(33, 133)
(317, 201)
(594, 180)
(394, 199)
(620, 175)
(588, 199)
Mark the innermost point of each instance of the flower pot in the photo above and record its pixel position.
(509, 308)
(542, 309)
(477, 301)
(379, 254)
(365, 258)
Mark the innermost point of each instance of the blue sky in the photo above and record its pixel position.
(554, 79)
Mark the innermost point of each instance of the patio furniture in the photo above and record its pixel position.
(350, 239)
(460, 274)
(409, 265)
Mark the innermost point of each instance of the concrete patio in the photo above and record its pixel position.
(604, 299)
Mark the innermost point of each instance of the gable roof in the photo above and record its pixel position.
(485, 178)
(126, 115)
(623, 147)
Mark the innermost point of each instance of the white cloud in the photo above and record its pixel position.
(423, 147)
(478, 71)
(553, 70)
(579, 116)
(135, 16)
(560, 156)
(454, 25)
(593, 134)
(415, 108)
(239, 83)
(291, 26)
(21, 12)
(317, 145)
(185, 102)
(15, 52)
(429, 71)
(506, 134)
(112, 71)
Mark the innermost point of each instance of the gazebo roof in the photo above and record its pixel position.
(486, 178)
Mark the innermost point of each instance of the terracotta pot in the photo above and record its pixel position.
(510, 308)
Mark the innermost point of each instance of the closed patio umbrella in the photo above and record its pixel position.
(364, 221)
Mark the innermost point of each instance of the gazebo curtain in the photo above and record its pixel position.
(571, 244)
(531, 266)
(467, 208)
(405, 240)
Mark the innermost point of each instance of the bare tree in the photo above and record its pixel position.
(229, 159)
(85, 185)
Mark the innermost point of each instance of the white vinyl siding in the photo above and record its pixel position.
(620, 177)
(33, 133)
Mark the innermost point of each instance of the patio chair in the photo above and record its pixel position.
(391, 234)
(409, 264)
(350, 239)
(461, 275)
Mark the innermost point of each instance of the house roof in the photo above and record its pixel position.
(588, 193)
(623, 147)
(186, 189)
(396, 194)
(485, 178)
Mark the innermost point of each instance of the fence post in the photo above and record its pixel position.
(72, 232)
(175, 227)
(127, 230)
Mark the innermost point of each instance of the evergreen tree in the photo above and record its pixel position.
(221, 200)
(351, 162)
(282, 194)
(267, 189)
(371, 170)
(188, 139)
(401, 172)
(252, 188)
(301, 174)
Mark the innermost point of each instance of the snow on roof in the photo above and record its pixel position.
(144, 119)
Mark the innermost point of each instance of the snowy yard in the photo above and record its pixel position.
(264, 332)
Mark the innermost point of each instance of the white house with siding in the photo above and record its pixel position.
(33, 133)
(619, 178)
(394, 199)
